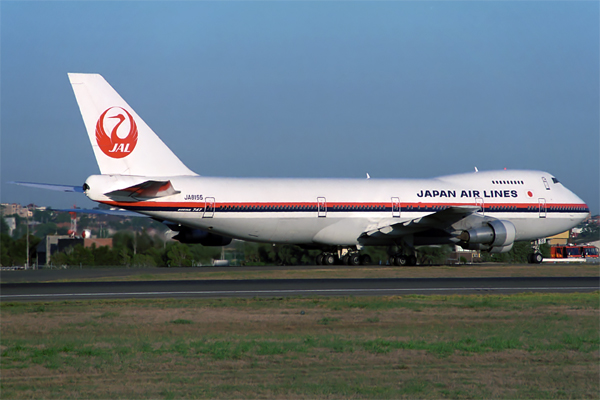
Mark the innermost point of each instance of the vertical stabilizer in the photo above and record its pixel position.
(123, 144)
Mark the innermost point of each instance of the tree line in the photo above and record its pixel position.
(140, 249)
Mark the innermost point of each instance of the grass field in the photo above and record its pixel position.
(518, 346)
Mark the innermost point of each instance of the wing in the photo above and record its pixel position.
(442, 219)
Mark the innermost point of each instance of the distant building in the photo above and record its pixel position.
(45, 250)
(460, 255)
(58, 243)
(89, 242)
(10, 209)
(14, 208)
(25, 213)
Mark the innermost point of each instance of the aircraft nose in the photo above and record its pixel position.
(582, 207)
(578, 209)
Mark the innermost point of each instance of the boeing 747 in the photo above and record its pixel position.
(487, 211)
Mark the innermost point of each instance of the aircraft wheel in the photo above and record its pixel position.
(346, 259)
(354, 259)
(530, 258)
(365, 259)
(329, 259)
(412, 261)
(392, 261)
(320, 259)
(401, 260)
(537, 258)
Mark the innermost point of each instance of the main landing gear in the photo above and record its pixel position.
(402, 260)
(405, 255)
(348, 258)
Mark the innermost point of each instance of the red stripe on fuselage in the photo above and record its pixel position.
(413, 206)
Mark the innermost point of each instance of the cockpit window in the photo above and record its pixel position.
(554, 180)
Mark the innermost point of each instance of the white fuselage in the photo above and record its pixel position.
(338, 211)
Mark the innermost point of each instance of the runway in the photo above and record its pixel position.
(291, 288)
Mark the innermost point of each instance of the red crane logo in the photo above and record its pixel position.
(123, 132)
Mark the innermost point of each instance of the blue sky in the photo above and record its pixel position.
(308, 89)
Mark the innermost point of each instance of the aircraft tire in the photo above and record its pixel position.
(319, 260)
(365, 259)
(329, 259)
(537, 258)
(354, 259)
(412, 261)
(401, 260)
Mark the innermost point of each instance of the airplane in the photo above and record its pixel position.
(482, 210)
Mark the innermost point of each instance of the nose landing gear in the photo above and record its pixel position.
(536, 257)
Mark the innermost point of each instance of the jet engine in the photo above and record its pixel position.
(495, 236)
(192, 236)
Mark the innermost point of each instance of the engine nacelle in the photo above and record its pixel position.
(496, 237)
(193, 236)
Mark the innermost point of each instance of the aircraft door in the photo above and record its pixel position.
(209, 207)
(542, 207)
(396, 207)
(545, 183)
(479, 203)
(321, 207)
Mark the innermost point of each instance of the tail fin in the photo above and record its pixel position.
(123, 144)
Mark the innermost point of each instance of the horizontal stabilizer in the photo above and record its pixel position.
(50, 186)
(117, 212)
(144, 191)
